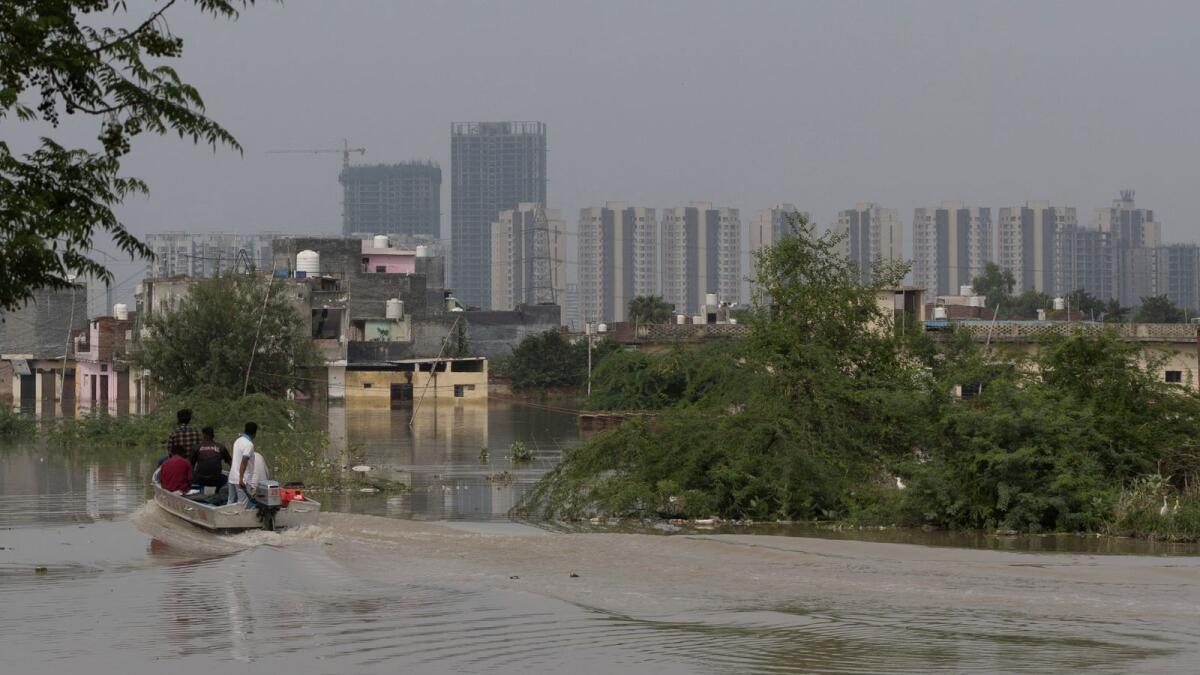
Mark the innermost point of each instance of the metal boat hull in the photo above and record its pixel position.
(233, 516)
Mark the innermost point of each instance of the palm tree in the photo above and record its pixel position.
(650, 309)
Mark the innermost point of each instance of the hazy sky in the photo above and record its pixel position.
(744, 104)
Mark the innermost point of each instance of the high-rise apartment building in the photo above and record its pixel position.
(1172, 270)
(1127, 225)
(528, 257)
(207, 255)
(494, 166)
(701, 249)
(767, 228)
(952, 244)
(871, 233)
(572, 316)
(1084, 260)
(1130, 228)
(618, 259)
(1025, 243)
(402, 200)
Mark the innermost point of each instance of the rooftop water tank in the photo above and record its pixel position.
(710, 299)
(422, 251)
(680, 319)
(939, 313)
(1059, 304)
(966, 290)
(308, 262)
(121, 311)
(380, 241)
(602, 328)
(395, 309)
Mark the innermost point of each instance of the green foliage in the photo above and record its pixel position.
(14, 424)
(1159, 309)
(520, 453)
(549, 360)
(1139, 510)
(650, 309)
(206, 340)
(995, 284)
(289, 436)
(54, 200)
(818, 413)
(634, 380)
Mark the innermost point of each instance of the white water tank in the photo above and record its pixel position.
(422, 251)
(394, 310)
(121, 311)
(380, 241)
(732, 321)
(966, 290)
(1041, 315)
(1060, 304)
(710, 299)
(939, 313)
(309, 262)
(680, 319)
(602, 328)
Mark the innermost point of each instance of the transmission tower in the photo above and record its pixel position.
(542, 262)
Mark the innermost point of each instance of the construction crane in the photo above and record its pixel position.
(345, 150)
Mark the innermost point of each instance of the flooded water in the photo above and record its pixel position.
(94, 579)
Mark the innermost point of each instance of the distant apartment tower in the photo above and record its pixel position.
(701, 249)
(403, 200)
(207, 255)
(572, 316)
(768, 227)
(1084, 260)
(1025, 243)
(528, 257)
(952, 244)
(1127, 225)
(494, 166)
(1172, 270)
(872, 234)
(618, 259)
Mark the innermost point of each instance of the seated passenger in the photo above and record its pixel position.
(209, 457)
(175, 475)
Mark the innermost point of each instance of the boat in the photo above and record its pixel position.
(274, 507)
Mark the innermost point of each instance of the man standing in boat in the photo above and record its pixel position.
(242, 467)
(184, 439)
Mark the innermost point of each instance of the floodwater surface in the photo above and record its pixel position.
(95, 579)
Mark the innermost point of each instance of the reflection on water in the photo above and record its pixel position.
(437, 455)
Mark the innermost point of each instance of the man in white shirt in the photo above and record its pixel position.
(258, 474)
(242, 468)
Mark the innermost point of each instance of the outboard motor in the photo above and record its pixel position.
(267, 496)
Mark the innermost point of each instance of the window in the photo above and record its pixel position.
(1175, 376)
(366, 385)
(458, 390)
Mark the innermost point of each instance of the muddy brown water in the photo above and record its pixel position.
(94, 579)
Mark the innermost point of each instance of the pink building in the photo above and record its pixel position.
(387, 259)
(100, 351)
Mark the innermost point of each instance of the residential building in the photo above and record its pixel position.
(701, 254)
(618, 259)
(1025, 243)
(1172, 270)
(1127, 225)
(106, 382)
(572, 315)
(1084, 260)
(952, 244)
(401, 200)
(209, 254)
(35, 347)
(528, 257)
(1129, 228)
(872, 234)
(494, 166)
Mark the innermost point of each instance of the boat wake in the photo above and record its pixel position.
(185, 537)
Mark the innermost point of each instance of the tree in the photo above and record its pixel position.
(995, 284)
(549, 360)
(58, 59)
(650, 309)
(206, 340)
(1159, 309)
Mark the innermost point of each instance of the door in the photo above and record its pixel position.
(401, 394)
